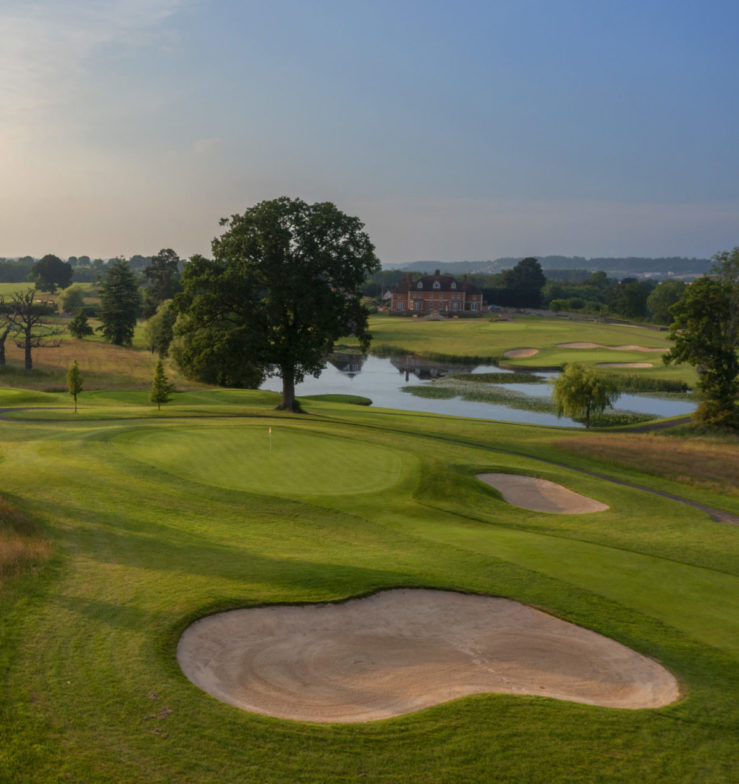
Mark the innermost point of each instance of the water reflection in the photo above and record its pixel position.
(426, 369)
(382, 379)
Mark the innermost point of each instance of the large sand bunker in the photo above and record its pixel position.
(541, 495)
(612, 348)
(403, 650)
(520, 353)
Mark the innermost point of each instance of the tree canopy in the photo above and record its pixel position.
(119, 304)
(49, 272)
(283, 286)
(705, 333)
(580, 392)
(163, 275)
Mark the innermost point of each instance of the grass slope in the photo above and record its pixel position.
(158, 521)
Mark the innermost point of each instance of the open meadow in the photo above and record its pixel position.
(121, 526)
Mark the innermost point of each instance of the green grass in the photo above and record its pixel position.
(157, 521)
(484, 340)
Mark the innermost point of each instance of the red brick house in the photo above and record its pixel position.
(436, 293)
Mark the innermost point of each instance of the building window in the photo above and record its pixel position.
(437, 285)
(419, 285)
(454, 284)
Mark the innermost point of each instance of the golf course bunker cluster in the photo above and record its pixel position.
(402, 650)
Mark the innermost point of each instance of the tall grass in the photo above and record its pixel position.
(22, 546)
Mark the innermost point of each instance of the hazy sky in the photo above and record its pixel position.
(455, 130)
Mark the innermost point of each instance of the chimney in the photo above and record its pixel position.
(437, 273)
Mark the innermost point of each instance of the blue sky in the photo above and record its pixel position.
(464, 130)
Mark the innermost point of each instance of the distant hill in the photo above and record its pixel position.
(613, 267)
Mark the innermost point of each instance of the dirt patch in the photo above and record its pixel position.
(625, 364)
(541, 495)
(402, 650)
(579, 345)
(520, 353)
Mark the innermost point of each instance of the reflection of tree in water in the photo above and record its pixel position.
(348, 364)
(426, 369)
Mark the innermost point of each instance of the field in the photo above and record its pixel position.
(121, 526)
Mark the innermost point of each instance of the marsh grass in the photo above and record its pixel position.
(498, 378)
(468, 387)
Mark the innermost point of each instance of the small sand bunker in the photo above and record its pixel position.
(612, 348)
(521, 353)
(625, 364)
(402, 650)
(640, 348)
(541, 495)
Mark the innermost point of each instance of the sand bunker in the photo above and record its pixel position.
(612, 348)
(521, 352)
(402, 650)
(625, 364)
(541, 495)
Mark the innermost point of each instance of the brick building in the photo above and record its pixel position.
(436, 293)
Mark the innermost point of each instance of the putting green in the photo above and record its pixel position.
(297, 463)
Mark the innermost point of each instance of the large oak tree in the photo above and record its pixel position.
(705, 329)
(284, 284)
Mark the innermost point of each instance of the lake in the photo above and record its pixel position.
(381, 379)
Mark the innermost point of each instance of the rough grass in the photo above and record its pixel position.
(22, 546)
(705, 462)
(102, 365)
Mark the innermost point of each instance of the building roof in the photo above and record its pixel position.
(436, 282)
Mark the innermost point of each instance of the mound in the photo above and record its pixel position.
(541, 495)
(273, 459)
(403, 650)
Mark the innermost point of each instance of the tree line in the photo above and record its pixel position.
(527, 285)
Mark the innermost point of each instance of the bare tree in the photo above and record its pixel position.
(28, 320)
(6, 325)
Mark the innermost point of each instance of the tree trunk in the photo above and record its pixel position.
(587, 416)
(29, 362)
(288, 402)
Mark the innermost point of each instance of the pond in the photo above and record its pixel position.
(382, 380)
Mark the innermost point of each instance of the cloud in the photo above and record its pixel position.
(46, 49)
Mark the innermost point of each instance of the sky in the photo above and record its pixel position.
(458, 130)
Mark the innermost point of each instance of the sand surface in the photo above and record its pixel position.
(612, 348)
(521, 352)
(402, 650)
(625, 364)
(541, 495)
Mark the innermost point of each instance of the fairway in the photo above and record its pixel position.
(145, 523)
(279, 460)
